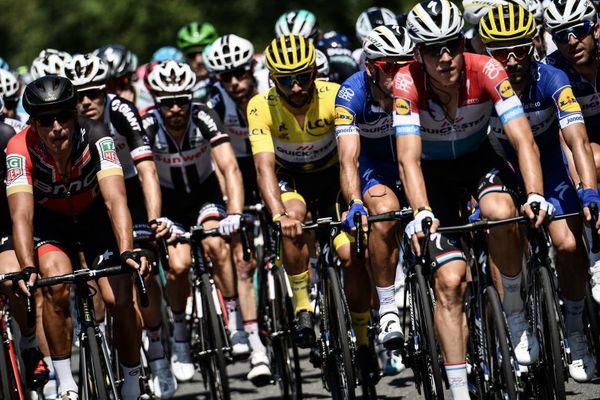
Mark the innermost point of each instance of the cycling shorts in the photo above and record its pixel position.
(374, 172)
(6, 243)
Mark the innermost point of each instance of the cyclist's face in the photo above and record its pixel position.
(384, 71)
(515, 57)
(91, 102)
(56, 131)
(297, 89)
(239, 83)
(580, 51)
(197, 63)
(444, 61)
(175, 111)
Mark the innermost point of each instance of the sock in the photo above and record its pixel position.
(359, 323)
(387, 300)
(573, 316)
(64, 376)
(155, 346)
(457, 378)
(251, 328)
(299, 284)
(48, 361)
(513, 302)
(233, 314)
(131, 382)
(28, 342)
(180, 329)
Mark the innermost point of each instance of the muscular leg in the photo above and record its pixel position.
(220, 254)
(178, 285)
(9, 263)
(245, 286)
(295, 252)
(571, 260)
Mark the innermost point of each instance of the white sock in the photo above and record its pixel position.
(251, 328)
(64, 375)
(131, 382)
(234, 315)
(155, 347)
(28, 342)
(50, 364)
(573, 316)
(512, 303)
(387, 300)
(180, 329)
(457, 378)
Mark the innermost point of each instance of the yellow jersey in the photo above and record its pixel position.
(274, 129)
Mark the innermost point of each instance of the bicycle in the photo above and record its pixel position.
(97, 378)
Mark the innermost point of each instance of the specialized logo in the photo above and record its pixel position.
(15, 164)
(504, 89)
(567, 102)
(107, 150)
(402, 106)
(343, 116)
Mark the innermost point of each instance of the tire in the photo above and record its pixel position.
(498, 350)
(432, 381)
(285, 352)
(6, 384)
(219, 381)
(97, 378)
(592, 324)
(551, 344)
(343, 381)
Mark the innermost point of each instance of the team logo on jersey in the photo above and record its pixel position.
(343, 116)
(566, 101)
(402, 106)
(505, 90)
(15, 167)
(107, 151)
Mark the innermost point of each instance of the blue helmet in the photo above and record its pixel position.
(4, 64)
(334, 39)
(168, 53)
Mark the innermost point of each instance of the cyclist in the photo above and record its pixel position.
(444, 153)
(369, 173)
(300, 23)
(291, 124)
(121, 64)
(56, 168)
(231, 58)
(339, 56)
(49, 62)
(507, 32)
(192, 39)
(367, 20)
(10, 93)
(88, 74)
(575, 30)
(187, 139)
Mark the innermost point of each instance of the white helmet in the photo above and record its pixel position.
(229, 52)
(299, 23)
(9, 86)
(87, 71)
(388, 41)
(373, 17)
(49, 62)
(474, 10)
(537, 9)
(563, 13)
(434, 21)
(171, 77)
(322, 64)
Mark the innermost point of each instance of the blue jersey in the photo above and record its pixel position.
(550, 105)
(586, 92)
(358, 113)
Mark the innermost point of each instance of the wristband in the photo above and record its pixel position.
(535, 193)
(277, 216)
(354, 201)
(128, 255)
(424, 208)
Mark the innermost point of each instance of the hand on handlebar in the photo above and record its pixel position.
(290, 227)
(348, 224)
(25, 281)
(546, 209)
(162, 227)
(589, 197)
(135, 260)
(414, 230)
(230, 224)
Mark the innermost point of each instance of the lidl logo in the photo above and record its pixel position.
(505, 90)
(567, 101)
(343, 116)
(402, 106)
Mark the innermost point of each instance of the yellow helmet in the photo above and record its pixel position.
(507, 22)
(290, 54)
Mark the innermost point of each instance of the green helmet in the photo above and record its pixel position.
(195, 36)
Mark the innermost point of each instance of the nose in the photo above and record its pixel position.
(572, 40)
(445, 57)
(512, 60)
(296, 88)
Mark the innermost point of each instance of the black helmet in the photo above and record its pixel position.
(50, 94)
(119, 59)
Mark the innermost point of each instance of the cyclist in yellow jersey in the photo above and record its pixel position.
(293, 143)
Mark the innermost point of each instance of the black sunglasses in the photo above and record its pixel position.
(451, 47)
(169, 102)
(238, 73)
(301, 79)
(92, 94)
(579, 31)
(62, 117)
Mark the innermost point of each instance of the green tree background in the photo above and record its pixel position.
(28, 26)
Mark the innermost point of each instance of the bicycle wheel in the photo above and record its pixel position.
(592, 324)
(551, 348)
(96, 378)
(217, 365)
(342, 380)
(499, 358)
(430, 360)
(285, 356)
(6, 385)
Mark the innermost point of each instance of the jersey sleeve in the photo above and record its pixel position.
(567, 107)
(259, 125)
(103, 151)
(348, 103)
(406, 119)
(210, 125)
(494, 81)
(215, 102)
(127, 121)
(19, 167)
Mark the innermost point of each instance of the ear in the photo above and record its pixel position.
(596, 31)
(368, 68)
(418, 56)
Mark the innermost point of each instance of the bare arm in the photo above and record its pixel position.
(21, 207)
(226, 162)
(112, 189)
(575, 137)
(570, 162)
(267, 182)
(349, 150)
(519, 134)
(409, 161)
(149, 181)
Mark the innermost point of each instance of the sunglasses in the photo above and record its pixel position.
(62, 117)
(92, 94)
(452, 47)
(388, 67)
(170, 102)
(11, 103)
(578, 31)
(289, 80)
(238, 73)
(503, 54)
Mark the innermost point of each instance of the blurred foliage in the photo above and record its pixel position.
(28, 26)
